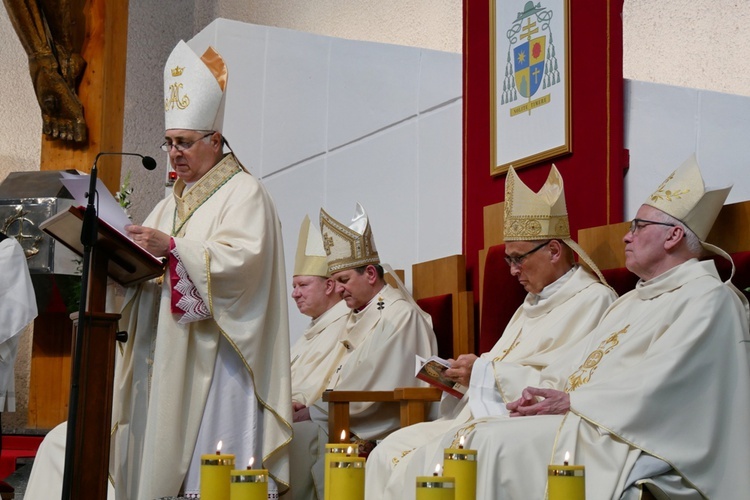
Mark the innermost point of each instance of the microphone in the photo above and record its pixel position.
(148, 162)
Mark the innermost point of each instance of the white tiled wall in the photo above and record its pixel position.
(328, 122)
(664, 125)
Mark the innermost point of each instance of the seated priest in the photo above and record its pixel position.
(317, 353)
(563, 304)
(384, 331)
(651, 398)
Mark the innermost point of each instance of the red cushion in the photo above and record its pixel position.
(501, 296)
(15, 447)
(440, 308)
(620, 279)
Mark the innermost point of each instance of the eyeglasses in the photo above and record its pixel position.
(637, 224)
(519, 259)
(182, 146)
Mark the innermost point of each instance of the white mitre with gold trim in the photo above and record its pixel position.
(348, 247)
(684, 196)
(194, 89)
(311, 258)
(535, 216)
(543, 215)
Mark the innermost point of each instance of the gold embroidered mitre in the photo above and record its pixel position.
(311, 258)
(535, 216)
(348, 247)
(684, 196)
(194, 89)
(540, 216)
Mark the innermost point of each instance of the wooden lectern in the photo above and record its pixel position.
(114, 255)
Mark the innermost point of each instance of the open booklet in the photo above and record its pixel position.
(108, 209)
(431, 371)
(128, 263)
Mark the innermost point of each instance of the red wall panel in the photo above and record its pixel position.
(593, 172)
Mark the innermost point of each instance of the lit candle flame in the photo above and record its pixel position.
(250, 463)
(218, 447)
(567, 458)
(437, 470)
(461, 443)
(343, 436)
(349, 451)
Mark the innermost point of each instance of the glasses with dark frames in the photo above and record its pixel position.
(518, 260)
(637, 224)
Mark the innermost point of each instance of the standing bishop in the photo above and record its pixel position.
(208, 355)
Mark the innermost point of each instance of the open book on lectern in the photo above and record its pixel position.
(129, 263)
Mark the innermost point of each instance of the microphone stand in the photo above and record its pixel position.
(88, 239)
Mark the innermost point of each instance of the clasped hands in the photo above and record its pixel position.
(553, 402)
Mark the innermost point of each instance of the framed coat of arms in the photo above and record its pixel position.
(530, 82)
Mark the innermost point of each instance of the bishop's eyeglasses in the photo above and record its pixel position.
(518, 260)
(637, 224)
(182, 146)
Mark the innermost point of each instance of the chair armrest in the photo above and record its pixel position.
(417, 393)
(338, 409)
(414, 403)
(357, 396)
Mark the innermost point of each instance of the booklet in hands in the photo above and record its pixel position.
(431, 371)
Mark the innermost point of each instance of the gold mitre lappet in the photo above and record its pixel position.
(533, 216)
(684, 196)
(311, 258)
(194, 89)
(348, 247)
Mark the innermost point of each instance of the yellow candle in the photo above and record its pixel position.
(347, 478)
(435, 487)
(249, 484)
(333, 450)
(461, 465)
(566, 482)
(215, 471)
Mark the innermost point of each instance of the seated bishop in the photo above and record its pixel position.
(564, 303)
(649, 399)
(384, 331)
(317, 353)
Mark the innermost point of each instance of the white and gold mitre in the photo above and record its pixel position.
(194, 89)
(540, 216)
(348, 247)
(311, 258)
(535, 216)
(684, 196)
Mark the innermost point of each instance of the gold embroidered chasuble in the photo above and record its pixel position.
(537, 334)
(380, 343)
(665, 373)
(228, 237)
(316, 354)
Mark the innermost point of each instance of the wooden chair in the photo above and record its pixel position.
(439, 287)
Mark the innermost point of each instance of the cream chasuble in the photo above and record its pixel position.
(228, 237)
(317, 353)
(665, 373)
(536, 335)
(380, 341)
